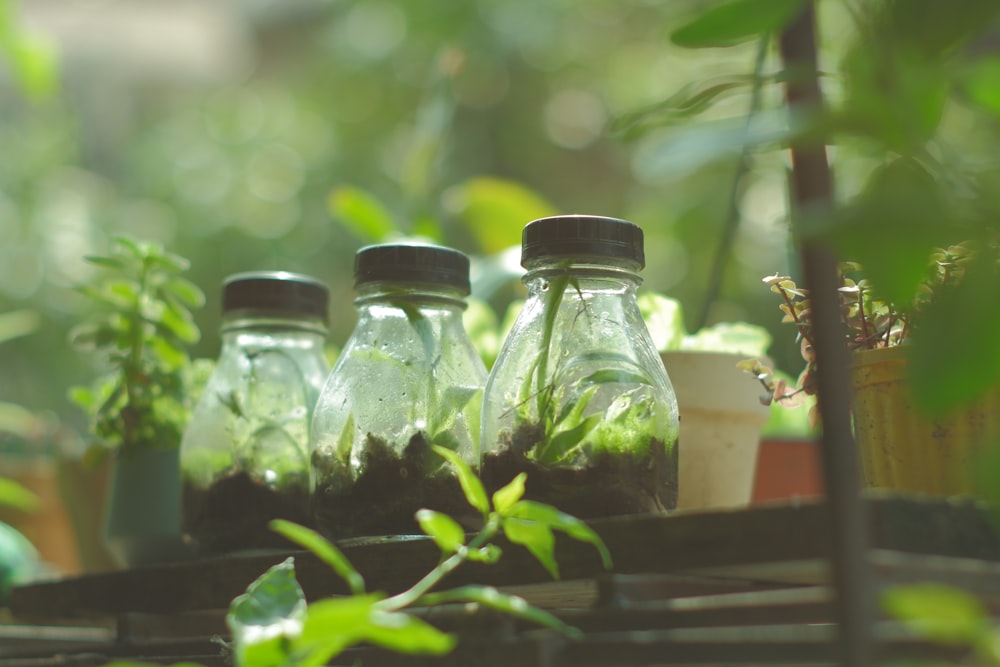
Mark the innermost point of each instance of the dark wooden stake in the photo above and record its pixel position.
(812, 189)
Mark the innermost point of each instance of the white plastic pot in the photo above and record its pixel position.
(721, 419)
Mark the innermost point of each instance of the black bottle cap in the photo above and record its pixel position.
(412, 263)
(582, 235)
(282, 291)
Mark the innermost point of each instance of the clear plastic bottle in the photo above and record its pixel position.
(245, 452)
(407, 378)
(578, 397)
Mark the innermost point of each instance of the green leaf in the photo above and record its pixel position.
(736, 22)
(939, 613)
(444, 530)
(473, 489)
(512, 605)
(505, 497)
(267, 617)
(113, 263)
(535, 537)
(566, 523)
(14, 495)
(954, 358)
(185, 291)
(559, 445)
(893, 227)
(332, 625)
(323, 549)
(980, 82)
(181, 326)
(608, 375)
(495, 211)
(35, 63)
(361, 213)
(403, 633)
(489, 554)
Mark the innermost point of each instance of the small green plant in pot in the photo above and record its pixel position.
(578, 398)
(139, 409)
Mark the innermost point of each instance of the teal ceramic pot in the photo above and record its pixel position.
(144, 508)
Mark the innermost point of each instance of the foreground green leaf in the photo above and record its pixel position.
(537, 538)
(324, 550)
(471, 486)
(511, 605)
(939, 613)
(566, 523)
(736, 22)
(264, 620)
(444, 530)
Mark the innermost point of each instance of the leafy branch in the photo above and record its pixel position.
(144, 325)
(272, 624)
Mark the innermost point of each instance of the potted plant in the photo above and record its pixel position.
(902, 445)
(721, 415)
(139, 409)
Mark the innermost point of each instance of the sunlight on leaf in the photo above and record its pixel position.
(505, 497)
(444, 530)
(267, 617)
(495, 211)
(471, 486)
(362, 213)
(939, 613)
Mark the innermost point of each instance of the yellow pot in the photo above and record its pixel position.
(905, 450)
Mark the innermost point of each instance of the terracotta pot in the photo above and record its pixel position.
(48, 527)
(788, 468)
(905, 450)
(721, 418)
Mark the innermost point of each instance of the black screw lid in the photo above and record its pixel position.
(293, 293)
(412, 263)
(569, 235)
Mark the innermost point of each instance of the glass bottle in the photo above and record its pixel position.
(408, 378)
(245, 452)
(578, 397)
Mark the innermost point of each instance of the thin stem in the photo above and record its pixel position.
(813, 187)
(446, 567)
(733, 212)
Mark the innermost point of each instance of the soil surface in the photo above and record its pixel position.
(233, 512)
(606, 485)
(389, 489)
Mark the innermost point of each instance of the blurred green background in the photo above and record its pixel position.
(222, 130)
(263, 134)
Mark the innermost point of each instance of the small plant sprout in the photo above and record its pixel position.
(272, 623)
(869, 322)
(144, 326)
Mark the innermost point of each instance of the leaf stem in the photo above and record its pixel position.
(446, 567)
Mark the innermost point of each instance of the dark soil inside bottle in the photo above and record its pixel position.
(607, 484)
(232, 513)
(394, 482)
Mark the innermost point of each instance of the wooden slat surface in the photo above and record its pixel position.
(754, 543)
